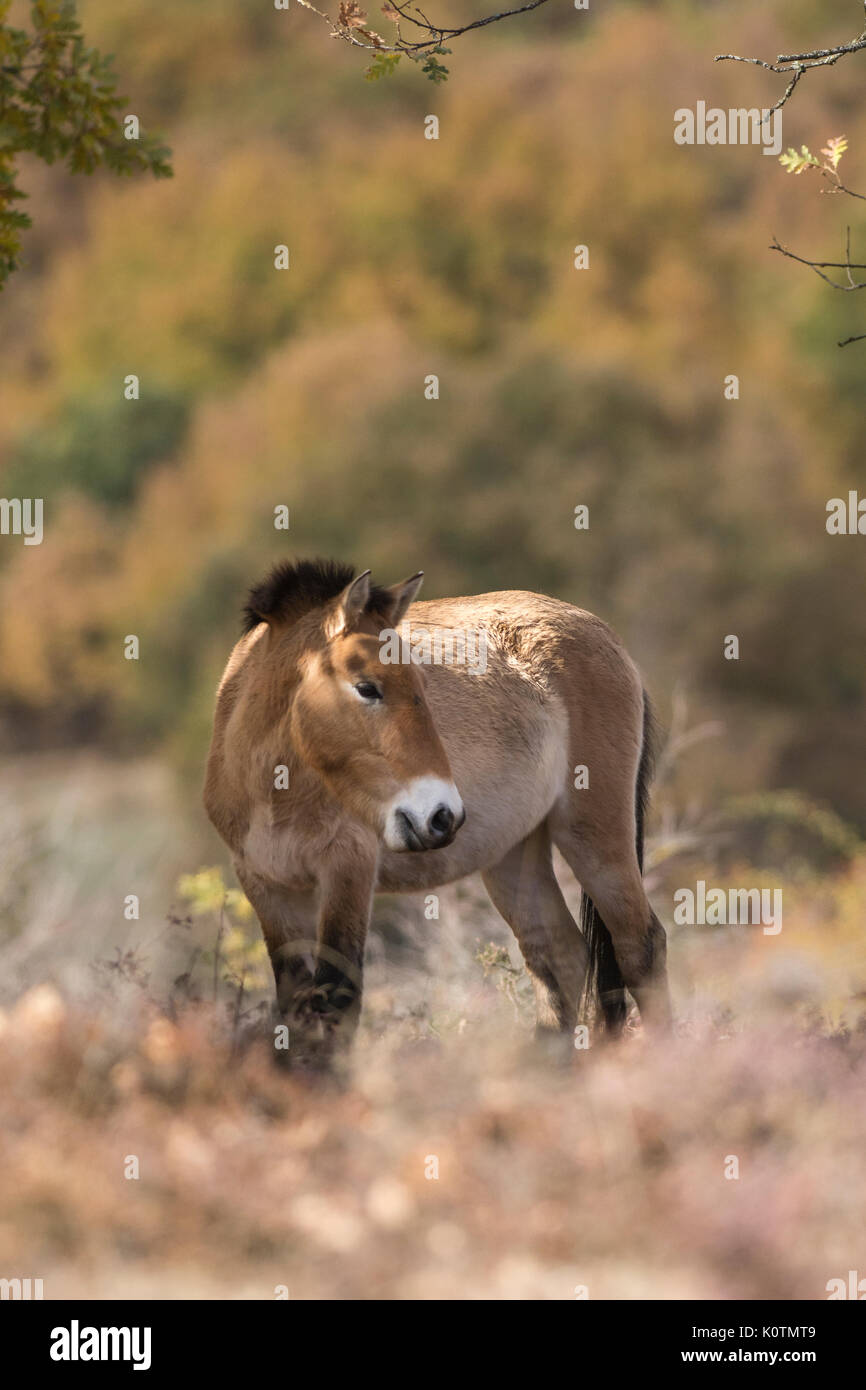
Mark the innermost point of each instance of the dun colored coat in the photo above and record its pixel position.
(337, 771)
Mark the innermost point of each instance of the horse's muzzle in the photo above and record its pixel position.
(438, 830)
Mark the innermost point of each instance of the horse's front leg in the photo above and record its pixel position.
(345, 896)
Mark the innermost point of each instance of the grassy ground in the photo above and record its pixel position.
(453, 1161)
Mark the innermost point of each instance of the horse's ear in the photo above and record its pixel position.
(399, 596)
(351, 604)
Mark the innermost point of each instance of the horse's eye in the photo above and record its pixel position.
(368, 691)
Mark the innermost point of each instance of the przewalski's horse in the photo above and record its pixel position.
(335, 772)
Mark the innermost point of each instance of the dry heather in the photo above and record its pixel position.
(453, 1162)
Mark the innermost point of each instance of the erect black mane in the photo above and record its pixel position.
(293, 588)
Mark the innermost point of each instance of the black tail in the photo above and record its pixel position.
(604, 981)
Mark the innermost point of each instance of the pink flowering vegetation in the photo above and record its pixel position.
(451, 1160)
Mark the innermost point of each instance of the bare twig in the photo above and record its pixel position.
(351, 26)
(797, 64)
(820, 266)
(681, 736)
(216, 950)
(839, 186)
(239, 999)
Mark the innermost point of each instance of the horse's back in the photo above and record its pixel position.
(540, 642)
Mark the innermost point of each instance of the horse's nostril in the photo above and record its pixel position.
(441, 822)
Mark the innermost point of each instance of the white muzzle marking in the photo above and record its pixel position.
(425, 815)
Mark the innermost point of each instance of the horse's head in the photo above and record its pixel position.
(363, 723)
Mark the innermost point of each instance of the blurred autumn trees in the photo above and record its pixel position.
(59, 101)
(454, 258)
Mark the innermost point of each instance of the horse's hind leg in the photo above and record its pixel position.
(604, 861)
(524, 890)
